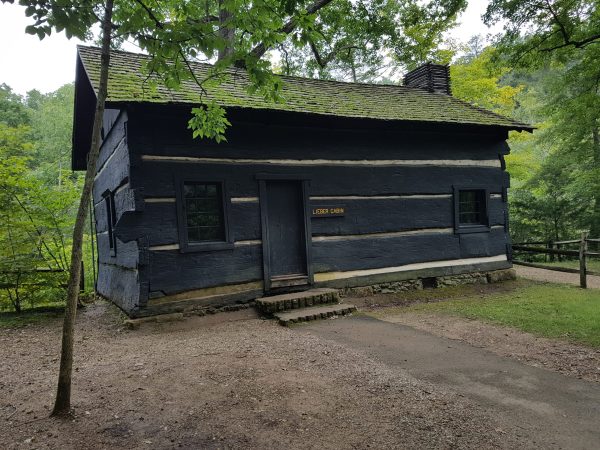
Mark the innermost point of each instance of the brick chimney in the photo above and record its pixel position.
(431, 77)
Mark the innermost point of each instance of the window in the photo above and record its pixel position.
(470, 207)
(202, 216)
(111, 220)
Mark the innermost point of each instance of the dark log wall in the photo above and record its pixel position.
(118, 271)
(396, 213)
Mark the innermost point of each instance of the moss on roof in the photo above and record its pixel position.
(128, 84)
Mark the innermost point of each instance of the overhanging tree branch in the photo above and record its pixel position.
(290, 26)
(323, 61)
(577, 44)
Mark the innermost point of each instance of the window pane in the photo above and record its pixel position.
(471, 207)
(210, 234)
(211, 190)
(194, 190)
(193, 235)
(204, 212)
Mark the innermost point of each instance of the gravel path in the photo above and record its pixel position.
(560, 356)
(553, 276)
(555, 410)
(245, 383)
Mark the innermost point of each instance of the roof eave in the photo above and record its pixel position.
(514, 127)
(83, 116)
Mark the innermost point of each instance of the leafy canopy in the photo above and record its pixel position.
(477, 79)
(554, 46)
(12, 110)
(535, 30)
(366, 40)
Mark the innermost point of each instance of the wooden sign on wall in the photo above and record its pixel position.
(328, 211)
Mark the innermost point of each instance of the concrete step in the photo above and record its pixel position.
(287, 318)
(295, 300)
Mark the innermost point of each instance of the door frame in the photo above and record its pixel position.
(304, 182)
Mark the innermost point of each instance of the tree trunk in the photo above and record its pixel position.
(62, 405)
(226, 32)
(595, 225)
(353, 69)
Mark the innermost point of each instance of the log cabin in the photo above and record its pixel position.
(341, 185)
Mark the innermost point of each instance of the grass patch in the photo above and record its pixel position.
(544, 309)
(33, 316)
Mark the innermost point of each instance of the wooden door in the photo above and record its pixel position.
(285, 222)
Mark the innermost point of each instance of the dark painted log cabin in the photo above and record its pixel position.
(342, 185)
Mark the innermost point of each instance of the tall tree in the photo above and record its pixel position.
(51, 124)
(62, 404)
(174, 33)
(571, 106)
(12, 108)
(562, 39)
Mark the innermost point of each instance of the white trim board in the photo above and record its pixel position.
(158, 248)
(173, 200)
(495, 163)
(354, 237)
(329, 276)
(160, 200)
(244, 199)
(341, 237)
(319, 198)
(379, 197)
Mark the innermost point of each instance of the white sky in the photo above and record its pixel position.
(27, 63)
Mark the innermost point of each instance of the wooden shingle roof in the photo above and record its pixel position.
(332, 98)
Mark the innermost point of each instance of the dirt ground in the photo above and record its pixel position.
(560, 356)
(226, 381)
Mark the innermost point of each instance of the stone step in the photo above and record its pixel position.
(295, 300)
(287, 318)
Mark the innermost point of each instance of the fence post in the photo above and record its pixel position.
(582, 266)
(551, 246)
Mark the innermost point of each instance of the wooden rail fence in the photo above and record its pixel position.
(38, 272)
(553, 248)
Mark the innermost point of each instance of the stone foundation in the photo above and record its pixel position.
(463, 278)
(494, 276)
(203, 310)
(205, 306)
(398, 286)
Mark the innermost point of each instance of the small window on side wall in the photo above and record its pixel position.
(202, 211)
(111, 220)
(470, 210)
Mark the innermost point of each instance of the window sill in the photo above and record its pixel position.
(465, 229)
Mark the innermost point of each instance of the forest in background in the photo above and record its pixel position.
(555, 172)
(38, 198)
(550, 79)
